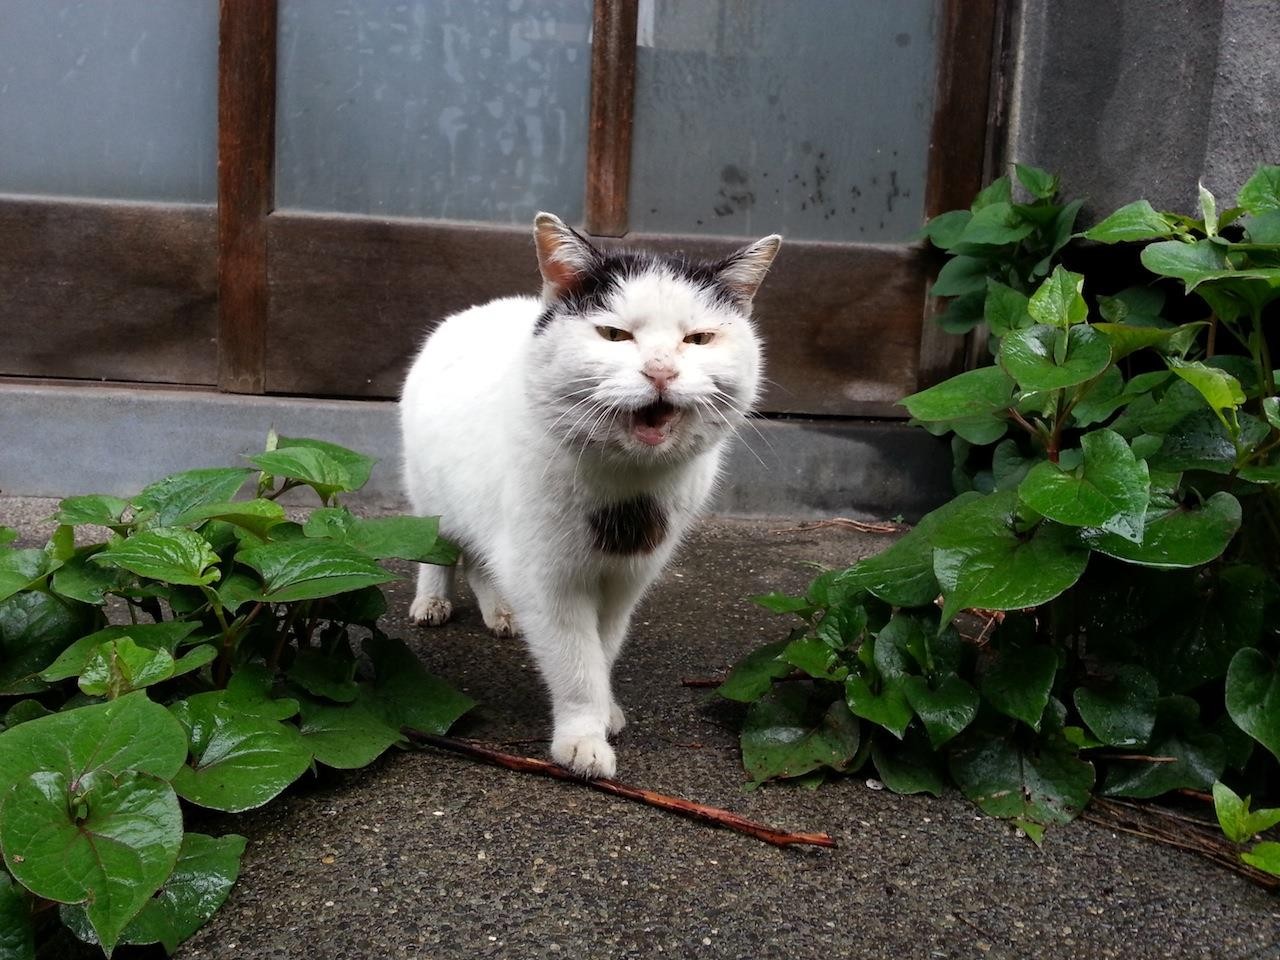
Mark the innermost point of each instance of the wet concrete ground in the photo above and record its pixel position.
(426, 854)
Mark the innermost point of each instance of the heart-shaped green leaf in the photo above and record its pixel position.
(309, 569)
(1253, 697)
(1179, 537)
(998, 224)
(1012, 773)
(752, 677)
(1059, 300)
(788, 733)
(1120, 706)
(1110, 488)
(1039, 183)
(1018, 681)
(404, 538)
(171, 554)
(241, 754)
(405, 694)
(945, 709)
(982, 560)
(160, 504)
(345, 736)
(911, 766)
(886, 705)
(1134, 221)
(1030, 356)
(105, 840)
(95, 508)
(1261, 192)
(121, 666)
(155, 636)
(1005, 309)
(961, 275)
(201, 879)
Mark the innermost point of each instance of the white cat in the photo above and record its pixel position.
(568, 442)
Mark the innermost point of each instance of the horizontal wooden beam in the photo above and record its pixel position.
(108, 290)
(351, 298)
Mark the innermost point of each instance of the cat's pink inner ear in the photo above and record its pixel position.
(745, 270)
(564, 257)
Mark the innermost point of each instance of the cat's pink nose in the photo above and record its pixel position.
(660, 374)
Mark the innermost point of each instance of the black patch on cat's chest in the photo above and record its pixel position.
(638, 525)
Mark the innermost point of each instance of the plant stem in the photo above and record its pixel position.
(697, 811)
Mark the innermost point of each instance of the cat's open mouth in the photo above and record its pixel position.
(651, 424)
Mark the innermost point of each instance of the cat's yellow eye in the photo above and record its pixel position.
(701, 338)
(614, 334)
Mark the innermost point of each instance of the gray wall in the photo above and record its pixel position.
(1142, 98)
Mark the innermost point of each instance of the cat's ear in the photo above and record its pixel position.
(564, 256)
(744, 271)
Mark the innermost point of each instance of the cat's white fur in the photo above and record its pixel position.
(519, 428)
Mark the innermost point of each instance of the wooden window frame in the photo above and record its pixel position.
(333, 304)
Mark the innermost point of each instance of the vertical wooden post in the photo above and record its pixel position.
(613, 87)
(246, 159)
(957, 148)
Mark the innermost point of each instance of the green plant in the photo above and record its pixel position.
(1108, 576)
(229, 673)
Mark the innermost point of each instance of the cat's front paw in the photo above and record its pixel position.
(585, 755)
(430, 611)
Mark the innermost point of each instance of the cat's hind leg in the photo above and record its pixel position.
(433, 603)
(493, 609)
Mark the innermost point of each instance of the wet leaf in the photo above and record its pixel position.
(788, 733)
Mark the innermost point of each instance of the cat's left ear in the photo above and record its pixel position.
(564, 256)
(744, 271)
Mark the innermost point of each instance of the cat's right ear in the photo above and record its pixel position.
(564, 255)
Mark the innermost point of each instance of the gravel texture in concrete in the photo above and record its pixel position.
(426, 854)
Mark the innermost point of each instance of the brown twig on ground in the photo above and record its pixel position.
(1201, 838)
(846, 523)
(697, 811)
(700, 682)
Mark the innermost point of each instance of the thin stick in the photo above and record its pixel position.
(700, 682)
(861, 526)
(687, 808)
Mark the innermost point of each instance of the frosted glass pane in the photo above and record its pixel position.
(810, 119)
(109, 98)
(457, 109)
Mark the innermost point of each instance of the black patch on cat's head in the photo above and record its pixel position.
(638, 525)
(610, 269)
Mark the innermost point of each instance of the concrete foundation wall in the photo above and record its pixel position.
(1142, 98)
(58, 441)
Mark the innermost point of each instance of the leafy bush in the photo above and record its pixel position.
(1107, 580)
(230, 672)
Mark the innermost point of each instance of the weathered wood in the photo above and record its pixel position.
(352, 297)
(609, 126)
(246, 153)
(958, 147)
(108, 290)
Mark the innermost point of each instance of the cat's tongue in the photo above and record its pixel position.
(651, 424)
